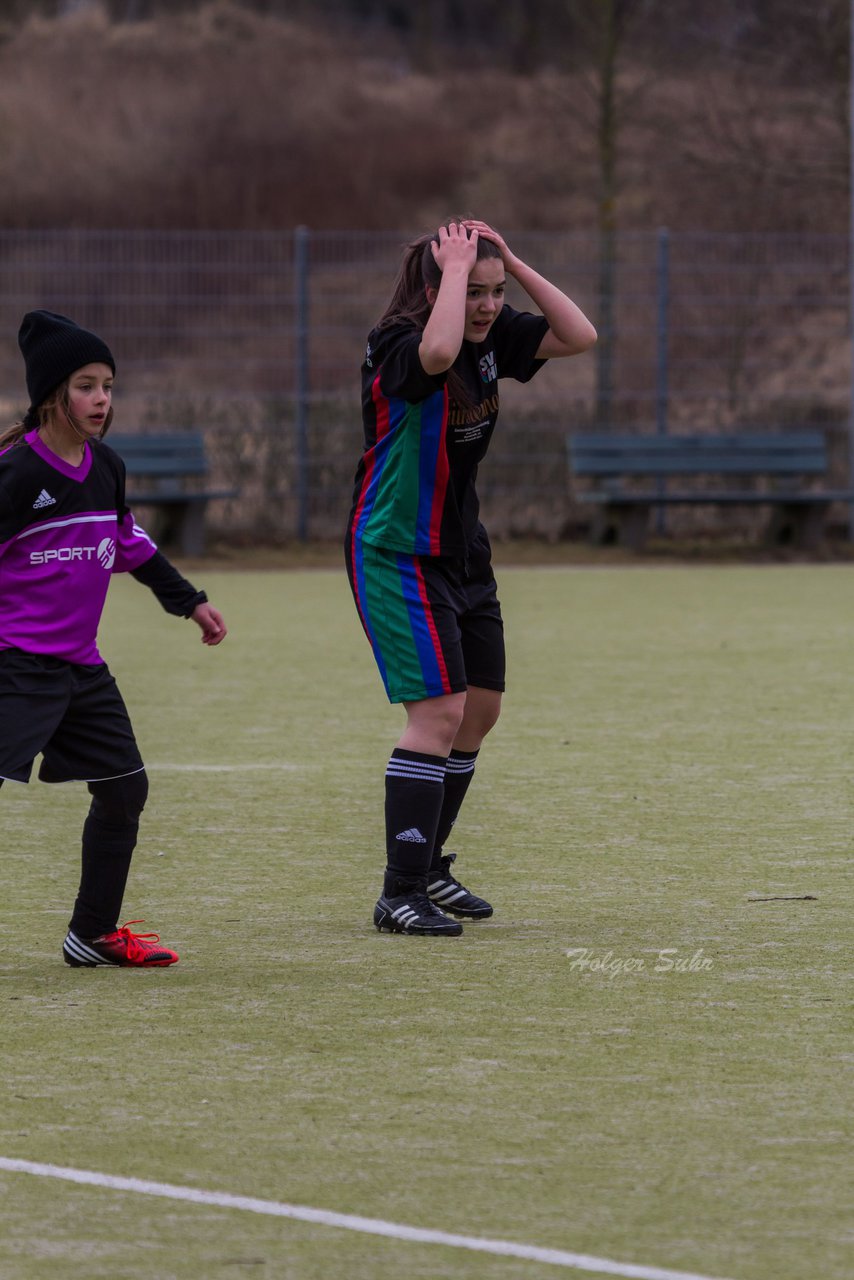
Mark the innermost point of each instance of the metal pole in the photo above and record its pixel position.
(851, 262)
(661, 349)
(661, 369)
(301, 300)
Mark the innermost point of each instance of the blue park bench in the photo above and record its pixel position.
(168, 470)
(632, 474)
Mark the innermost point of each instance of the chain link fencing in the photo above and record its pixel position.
(257, 338)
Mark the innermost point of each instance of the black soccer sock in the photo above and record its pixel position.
(109, 839)
(459, 771)
(413, 801)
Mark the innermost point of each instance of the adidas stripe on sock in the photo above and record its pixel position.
(411, 765)
(459, 771)
(413, 800)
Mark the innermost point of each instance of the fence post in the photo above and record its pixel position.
(661, 350)
(302, 238)
(662, 334)
(851, 264)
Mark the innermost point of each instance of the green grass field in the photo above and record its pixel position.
(672, 772)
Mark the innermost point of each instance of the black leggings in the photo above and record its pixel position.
(109, 839)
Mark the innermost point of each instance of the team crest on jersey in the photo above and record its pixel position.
(486, 364)
(107, 553)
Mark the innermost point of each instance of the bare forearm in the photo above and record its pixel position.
(568, 325)
(569, 329)
(455, 253)
(443, 333)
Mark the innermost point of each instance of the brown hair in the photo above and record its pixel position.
(419, 272)
(57, 404)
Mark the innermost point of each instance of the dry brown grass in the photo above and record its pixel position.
(230, 119)
(218, 120)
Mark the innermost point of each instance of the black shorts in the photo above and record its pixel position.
(74, 715)
(434, 623)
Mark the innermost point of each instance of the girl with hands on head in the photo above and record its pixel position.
(418, 557)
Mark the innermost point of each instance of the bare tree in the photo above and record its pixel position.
(601, 37)
(782, 156)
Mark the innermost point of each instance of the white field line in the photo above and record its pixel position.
(278, 767)
(350, 1222)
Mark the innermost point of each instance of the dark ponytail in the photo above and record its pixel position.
(409, 297)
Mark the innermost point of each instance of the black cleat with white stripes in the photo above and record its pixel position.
(447, 892)
(405, 908)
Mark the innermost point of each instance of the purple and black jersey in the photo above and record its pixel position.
(64, 531)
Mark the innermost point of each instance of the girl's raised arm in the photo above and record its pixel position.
(570, 332)
(455, 255)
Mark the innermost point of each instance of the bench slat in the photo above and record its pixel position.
(158, 465)
(176, 496)
(696, 498)
(621, 511)
(162, 453)
(795, 453)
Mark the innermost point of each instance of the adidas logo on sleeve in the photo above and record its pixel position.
(44, 500)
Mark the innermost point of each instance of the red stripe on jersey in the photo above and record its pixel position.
(380, 408)
(431, 626)
(357, 516)
(382, 420)
(440, 482)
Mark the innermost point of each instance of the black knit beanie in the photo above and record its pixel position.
(53, 348)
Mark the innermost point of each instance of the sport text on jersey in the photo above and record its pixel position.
(104, 553)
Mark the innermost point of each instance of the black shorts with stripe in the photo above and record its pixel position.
(434, 622)
(72, 714)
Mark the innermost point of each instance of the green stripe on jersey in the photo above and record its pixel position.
(391, 630)
(394, 514)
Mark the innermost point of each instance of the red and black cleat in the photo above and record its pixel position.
(123, 948)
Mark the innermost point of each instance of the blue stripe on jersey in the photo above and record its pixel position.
(432, 434)
(421, 634)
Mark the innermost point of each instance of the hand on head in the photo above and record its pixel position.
(475, 227)
(455, 244)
